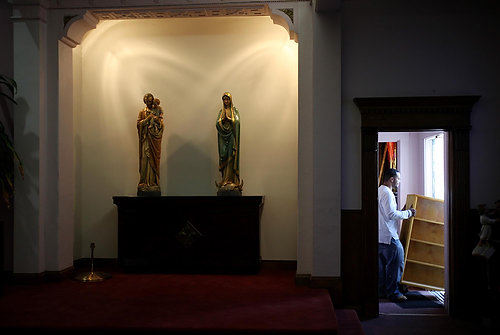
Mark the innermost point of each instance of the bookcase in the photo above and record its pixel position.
(422, 237)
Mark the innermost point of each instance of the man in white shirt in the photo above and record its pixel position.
(390, 249)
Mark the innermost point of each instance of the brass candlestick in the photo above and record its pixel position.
(92, 277)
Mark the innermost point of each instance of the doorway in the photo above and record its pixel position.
(448, 113)
(420, 158)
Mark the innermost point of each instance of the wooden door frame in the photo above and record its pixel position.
(448, 113)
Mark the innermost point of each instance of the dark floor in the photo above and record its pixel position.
(407, 319)
(267, 303)
(411, 324)
(419, 302)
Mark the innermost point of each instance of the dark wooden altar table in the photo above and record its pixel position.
(189, 234)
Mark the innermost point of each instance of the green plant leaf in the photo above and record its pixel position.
(10, 83)
(8, 97)
(8, 154)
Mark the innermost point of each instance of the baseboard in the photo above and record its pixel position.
(279, 264)
(302, 279)
(326, 282)
(112, 263)
(332, 284)
(59, 275)
(318, 281)
(46, 276)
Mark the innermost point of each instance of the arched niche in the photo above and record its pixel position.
(78, 25)
(57, 29)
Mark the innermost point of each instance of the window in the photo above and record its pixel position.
(434, 166)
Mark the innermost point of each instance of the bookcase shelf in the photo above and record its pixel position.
(429, 221)
(427, 242)
(423, 241)
(426, 264)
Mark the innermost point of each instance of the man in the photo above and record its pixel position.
(390, 249)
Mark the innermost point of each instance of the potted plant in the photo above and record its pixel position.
(8, 155)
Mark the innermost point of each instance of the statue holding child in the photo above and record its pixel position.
(150, 130)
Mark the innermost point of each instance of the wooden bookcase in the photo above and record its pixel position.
(422, 237)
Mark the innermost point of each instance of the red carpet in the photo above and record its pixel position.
(217, 304)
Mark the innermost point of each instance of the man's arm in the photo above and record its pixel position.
(390, 209)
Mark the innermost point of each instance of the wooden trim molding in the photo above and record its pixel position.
(449, 113)
(352, 266)
(416, 113)
(318, 281)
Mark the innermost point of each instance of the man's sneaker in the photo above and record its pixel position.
(402, 288)
(398, 298)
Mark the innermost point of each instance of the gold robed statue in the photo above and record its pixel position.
(228, 136)
(150, 131)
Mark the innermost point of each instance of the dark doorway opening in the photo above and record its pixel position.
(447, 113)
(420, 158)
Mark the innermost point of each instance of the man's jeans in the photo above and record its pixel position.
(390, 268)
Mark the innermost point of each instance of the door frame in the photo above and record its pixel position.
(447, 113)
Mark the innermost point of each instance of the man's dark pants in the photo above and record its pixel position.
(390, 268)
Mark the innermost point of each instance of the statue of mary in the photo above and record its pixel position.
(228, 135)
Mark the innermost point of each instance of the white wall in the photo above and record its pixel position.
(327, 154)
(414, 48)
(404, 162)
(410, 160)
(188, 64)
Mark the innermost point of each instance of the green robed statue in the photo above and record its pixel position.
(228, 135)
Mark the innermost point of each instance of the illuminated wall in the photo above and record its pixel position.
(187, 64)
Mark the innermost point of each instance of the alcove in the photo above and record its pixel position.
(187, 63)
(48, 72)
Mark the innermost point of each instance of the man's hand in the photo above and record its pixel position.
(413, 212)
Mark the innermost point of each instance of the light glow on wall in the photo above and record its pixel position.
(434, 166)
(188, 64)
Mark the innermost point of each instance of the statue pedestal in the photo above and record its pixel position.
(192, 234)
(148, 191)
(141, 193)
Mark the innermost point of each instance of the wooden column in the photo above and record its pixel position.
(459, 287)
(369, 213)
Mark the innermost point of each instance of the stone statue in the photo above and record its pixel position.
(228, 135)
(150, 131)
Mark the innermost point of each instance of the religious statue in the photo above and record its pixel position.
(228, 135)
(150, 131)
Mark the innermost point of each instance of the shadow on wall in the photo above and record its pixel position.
(77, 246)
(188, 157)
(27, 208)
(188, 64)
(107, 227)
